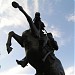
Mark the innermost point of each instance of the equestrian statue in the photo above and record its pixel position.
(39, 46)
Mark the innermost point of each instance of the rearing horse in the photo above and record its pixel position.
(31, 44)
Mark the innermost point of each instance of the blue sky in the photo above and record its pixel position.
(58, 17)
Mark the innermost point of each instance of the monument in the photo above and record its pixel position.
(39, 47)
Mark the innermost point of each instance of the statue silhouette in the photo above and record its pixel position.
(39, 47)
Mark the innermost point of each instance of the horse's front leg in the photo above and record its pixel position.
(8, 44)
(16, 37)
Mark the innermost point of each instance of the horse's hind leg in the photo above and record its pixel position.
(16, 37)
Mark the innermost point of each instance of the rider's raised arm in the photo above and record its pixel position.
(29, 19)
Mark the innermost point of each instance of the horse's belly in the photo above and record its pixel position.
(34, 58)
(33, 54)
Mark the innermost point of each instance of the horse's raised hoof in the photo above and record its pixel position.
(21, 63)
(9, 49)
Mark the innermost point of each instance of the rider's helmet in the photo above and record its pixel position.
(38, 22)
(37, 14)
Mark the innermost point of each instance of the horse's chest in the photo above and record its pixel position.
(30, 41)
(33, 41)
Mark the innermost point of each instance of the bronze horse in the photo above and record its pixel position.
(31, 44)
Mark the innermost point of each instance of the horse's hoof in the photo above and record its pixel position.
(20, 63)
(9, 49)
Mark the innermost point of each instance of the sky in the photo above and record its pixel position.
(58, 17)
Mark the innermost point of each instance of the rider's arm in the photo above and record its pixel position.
(29, 19)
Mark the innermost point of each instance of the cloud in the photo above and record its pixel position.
(57, 34)
(10, 16)
(19, 70)
(70, 18)
(36, 5)
(30, 70)
(69, 71)
(47, 7)
(54, 30)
